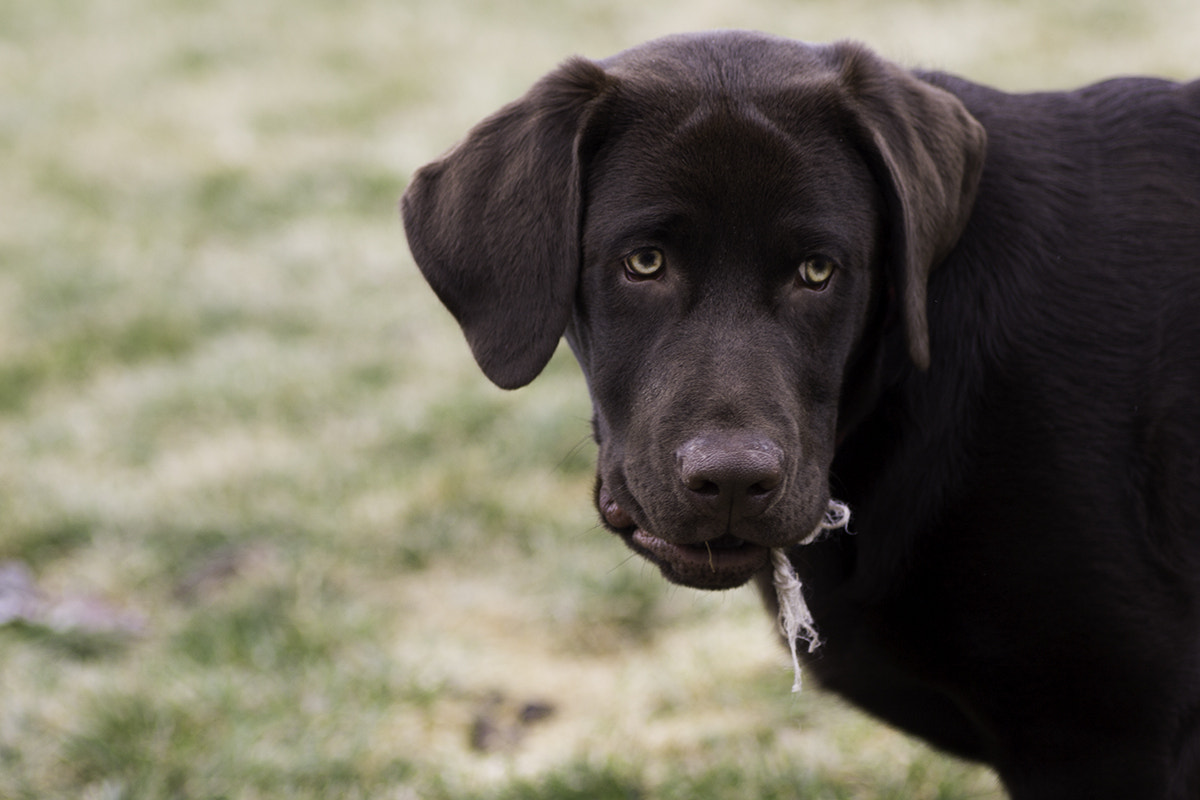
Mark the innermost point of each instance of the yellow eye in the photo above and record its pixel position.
(645, 263)
(815, 272)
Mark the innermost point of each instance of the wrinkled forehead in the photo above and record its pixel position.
(728, 162)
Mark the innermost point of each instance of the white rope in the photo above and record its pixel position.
(795, 620)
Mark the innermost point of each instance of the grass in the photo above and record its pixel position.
(321, 555)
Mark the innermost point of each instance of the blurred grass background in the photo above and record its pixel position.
(264, 530)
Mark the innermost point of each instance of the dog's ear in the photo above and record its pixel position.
(494, 224)
(928, 153)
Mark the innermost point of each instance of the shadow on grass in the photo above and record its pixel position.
(721, 781)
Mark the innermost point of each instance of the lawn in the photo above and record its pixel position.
(265, 531)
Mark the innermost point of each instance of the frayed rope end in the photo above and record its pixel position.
(795, 620)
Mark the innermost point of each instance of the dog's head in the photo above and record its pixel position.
(723, 226)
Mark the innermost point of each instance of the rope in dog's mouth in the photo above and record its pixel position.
(795, 620)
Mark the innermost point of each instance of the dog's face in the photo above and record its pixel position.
(719, 225)
(729, 272)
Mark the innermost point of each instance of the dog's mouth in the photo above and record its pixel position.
(722, 563)
(725, 562)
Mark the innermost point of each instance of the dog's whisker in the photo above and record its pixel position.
(561, 465)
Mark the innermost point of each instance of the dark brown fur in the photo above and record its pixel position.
(1001, 377)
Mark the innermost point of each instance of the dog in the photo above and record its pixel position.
(796, 272)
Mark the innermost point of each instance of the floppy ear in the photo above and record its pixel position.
(929, 153)
(494, 224)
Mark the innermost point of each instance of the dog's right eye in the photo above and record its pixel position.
(816, 272)
(645, 263)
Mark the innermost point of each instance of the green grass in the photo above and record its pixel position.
(231, 411)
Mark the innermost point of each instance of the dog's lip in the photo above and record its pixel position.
(718, 564)
(721, 563)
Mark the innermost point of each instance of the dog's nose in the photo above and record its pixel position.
(731, 475)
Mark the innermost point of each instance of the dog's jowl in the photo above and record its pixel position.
(793, 273)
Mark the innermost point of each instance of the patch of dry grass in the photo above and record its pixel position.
(230, 410)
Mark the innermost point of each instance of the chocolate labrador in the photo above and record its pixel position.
(793, 273)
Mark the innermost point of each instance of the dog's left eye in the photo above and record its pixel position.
(815, 272)
(645, 263)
